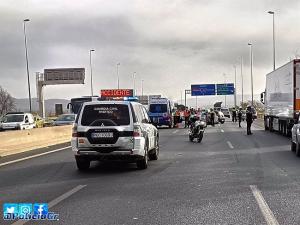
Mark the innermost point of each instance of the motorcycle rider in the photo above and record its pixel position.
(249, 119)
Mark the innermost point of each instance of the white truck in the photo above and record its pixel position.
(282, 98)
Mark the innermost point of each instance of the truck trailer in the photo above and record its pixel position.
(282, 98)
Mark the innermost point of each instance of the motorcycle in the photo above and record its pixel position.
(197, 130)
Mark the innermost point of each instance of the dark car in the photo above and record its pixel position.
(65, 119)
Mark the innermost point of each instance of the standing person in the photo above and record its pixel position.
(233, 115)
(212, 117)
(186, 117)
(249, 120)
(240, 117)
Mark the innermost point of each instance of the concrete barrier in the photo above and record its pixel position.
(18, 141)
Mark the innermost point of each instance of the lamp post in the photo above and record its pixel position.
(225, 84)
(118, 64)
(273, 13)
(234, 86)
(142, 89)
(91, 69)
(251, 71)
(133, 76)
(242, 80)
(27, 67)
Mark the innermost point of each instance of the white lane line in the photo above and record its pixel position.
(33, 156)
(175, 131)
(230, 145)
(264, 208)
(55, 201)
(222, 130)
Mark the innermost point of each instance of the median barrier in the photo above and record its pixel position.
(18, 141)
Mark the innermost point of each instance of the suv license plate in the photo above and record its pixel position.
(103, 135)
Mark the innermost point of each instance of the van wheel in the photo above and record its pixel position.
(82, 164)
(143, 164)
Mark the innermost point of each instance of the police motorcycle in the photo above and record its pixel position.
(197, 128)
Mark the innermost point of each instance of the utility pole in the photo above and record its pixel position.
(27, 66)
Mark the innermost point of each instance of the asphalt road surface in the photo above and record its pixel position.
(229, 178)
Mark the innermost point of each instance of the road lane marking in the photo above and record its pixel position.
(264, 208)
(230, 145)
(175, 131)
(33, 156)
(55, 202)
(222, 130)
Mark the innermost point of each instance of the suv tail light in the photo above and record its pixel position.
(137, 132)
(74, 130)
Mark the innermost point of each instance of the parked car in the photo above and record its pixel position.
(226, 112)
(295, 141)
(243, 115)
(114, 130)
(65, 119)
(18, 121)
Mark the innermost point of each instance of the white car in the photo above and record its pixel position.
(114, 130)
(226, 112)
(17, 121)
(295, 141)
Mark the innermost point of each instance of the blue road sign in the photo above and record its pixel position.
(225, 89)
(203, 89)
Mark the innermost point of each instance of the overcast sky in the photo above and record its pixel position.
(169, 43)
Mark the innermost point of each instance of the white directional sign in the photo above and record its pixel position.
(64, 76)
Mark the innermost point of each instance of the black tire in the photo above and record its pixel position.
(222, 122)
(143, 163)
(293, 146)
(82, 164)
(200, 137)
(155, 153)
(191, 138)
(297, 149)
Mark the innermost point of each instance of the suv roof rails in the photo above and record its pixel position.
(15, 113)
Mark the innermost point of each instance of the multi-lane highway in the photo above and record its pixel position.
(229, 178)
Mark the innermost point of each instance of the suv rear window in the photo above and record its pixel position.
(105, 115)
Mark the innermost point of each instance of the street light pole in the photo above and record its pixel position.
(118, 64)
(27, 67)
(142, 88)
(251, 71)
(273, 13)
(242, 80)
(134, 93)
(91, 69)
(234, 86)
(225, 84)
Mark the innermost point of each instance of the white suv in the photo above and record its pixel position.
(114, 130)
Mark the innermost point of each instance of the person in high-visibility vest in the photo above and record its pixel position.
(187, 114)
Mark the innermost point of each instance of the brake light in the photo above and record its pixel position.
(74, 130)
(137, 132)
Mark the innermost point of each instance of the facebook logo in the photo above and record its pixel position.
(10, 211)
(40, 209)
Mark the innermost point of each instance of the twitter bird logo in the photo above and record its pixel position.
(10, 208)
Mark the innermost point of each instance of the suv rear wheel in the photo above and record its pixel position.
(155, 152)
(82, 164)
(143, 164)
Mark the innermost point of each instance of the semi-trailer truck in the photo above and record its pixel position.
(282, 98)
